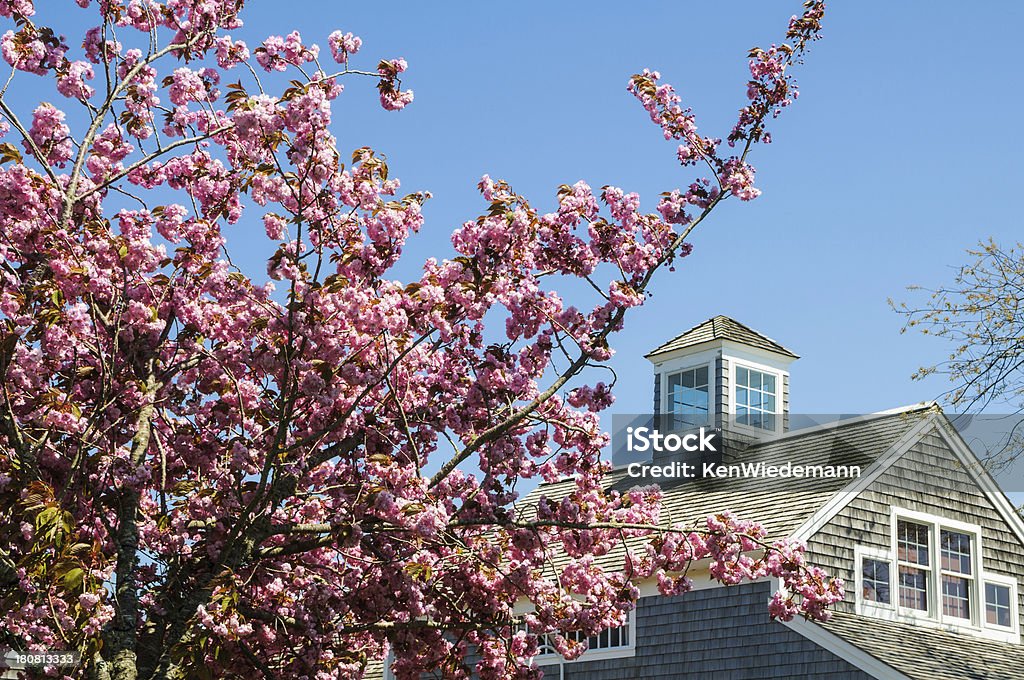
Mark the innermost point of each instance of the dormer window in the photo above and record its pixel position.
(938, 577)
(957, 578)
(875, 580)
(756, 398)
(688, 397)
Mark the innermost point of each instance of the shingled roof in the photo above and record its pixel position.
(933, 654)
(722, 328)
(782, 506)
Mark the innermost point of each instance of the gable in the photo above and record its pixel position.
(930, 478)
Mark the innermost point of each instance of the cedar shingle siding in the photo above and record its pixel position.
(930, 479)
(715, 633)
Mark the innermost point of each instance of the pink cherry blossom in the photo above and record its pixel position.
(231, 53)
(24, 8)
(99, 49)
(277, 53)
(33, 50)
(392, 97)
(51, 135)
(71, 83)
(343, 46)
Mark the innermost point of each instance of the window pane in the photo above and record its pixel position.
(609, 638)
(956, 599)
(696, 401)
(956, 551)
(688, 396)
(686, 377)
(913, 589)
(912, 542)
(875, 580)
(997, 605)
(756, 394)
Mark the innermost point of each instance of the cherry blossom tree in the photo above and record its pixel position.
(207, 475)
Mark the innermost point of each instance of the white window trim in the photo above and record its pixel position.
(935, 525)
(1011, 583)
(867, 606)
(596, 654)
(760, 368)
(712, 395)
(934, 618)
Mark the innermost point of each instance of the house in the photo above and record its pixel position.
(929, 547)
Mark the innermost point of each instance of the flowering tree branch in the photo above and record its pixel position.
(202, 475)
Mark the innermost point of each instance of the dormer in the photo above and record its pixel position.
(726, 374)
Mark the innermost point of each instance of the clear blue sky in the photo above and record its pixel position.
(901, 152)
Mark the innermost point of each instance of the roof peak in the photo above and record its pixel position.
(722, 327)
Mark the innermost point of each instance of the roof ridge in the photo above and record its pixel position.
(722, 327)
(754, 331)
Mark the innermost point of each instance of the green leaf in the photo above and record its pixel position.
(73, 579)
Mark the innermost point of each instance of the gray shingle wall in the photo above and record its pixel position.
(928, 478)
(657, 393)
(719, 632)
